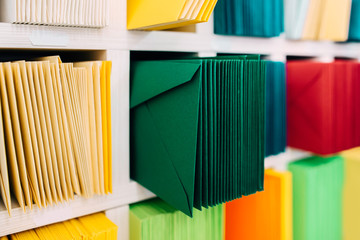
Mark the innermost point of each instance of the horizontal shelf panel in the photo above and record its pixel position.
(20, 221)
(281, 160)
(127, 194)
(15, 36)
(20, 36)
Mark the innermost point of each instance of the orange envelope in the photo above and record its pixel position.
(265, 215)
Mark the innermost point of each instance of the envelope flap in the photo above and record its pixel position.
(151, 78)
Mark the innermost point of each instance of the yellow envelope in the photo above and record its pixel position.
(20, 184)
(335, 20)
(4, 177)
(15, 119)
(68, 155)
(45, 128)
(41, 133)
(23, 89)
(47, 89)
(92, 123)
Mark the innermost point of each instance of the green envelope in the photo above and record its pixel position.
(186, 135)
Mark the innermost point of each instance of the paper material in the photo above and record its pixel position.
(351, 208)
(275, 142)
(322, 106)
(96, 226)
(270, 211)
(4, 175)
(317, 19)
(145, 15)
(18, 171)
(317, 198)
(94, 13)
(258, 18)
(46, 120)
(154, 219)
(187, 125)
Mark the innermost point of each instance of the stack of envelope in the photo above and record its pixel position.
(257, 18)
(322, 106)
(351, 194)
(270, 211)
(198, 129)
(55, 131)
(96, 227)
(92, 13)
(317, 19)
(275, 141)
(317, 198)
(156, 220)
(162, 14)
(354, 30)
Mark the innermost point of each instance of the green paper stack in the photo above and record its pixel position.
(156, 220)
(197, 129)
(317, 198)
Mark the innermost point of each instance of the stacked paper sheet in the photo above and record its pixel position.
(156, 220)
(322, 106)
(92, 13)
(275, 142)
(55, 131)
(351, 194)
(95, 227)
(163, 14)
(317, 198)
(197, 129)
(317, 19)
(258, 18)
(264, 215)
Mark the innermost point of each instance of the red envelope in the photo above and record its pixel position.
(323, 105)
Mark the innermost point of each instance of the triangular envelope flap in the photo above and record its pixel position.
(164, 137)
(301, 76)
(151, 78)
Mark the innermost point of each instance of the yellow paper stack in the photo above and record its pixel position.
(318, 19)
(351, 208)
(163, 14)
(94, 227)
(55, 130)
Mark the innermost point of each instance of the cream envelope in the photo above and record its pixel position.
(92, 123)
(20, 184)
(15, 119)
(49, 151)
(54, 148)
(64, 129)
(28, 129)
(41, 134)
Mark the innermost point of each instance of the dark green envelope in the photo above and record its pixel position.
(197, 129)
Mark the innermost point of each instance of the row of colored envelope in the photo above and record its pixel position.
(317, 198)
(198, 129)
(322, 105)
(335, 20)
(79, 13)
(96, 227)
(317, 19)
(162, 14)
(55, 131)
(258, 18)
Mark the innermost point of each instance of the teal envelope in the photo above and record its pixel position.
(165, 108)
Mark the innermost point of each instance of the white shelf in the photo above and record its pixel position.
(117, 44)
(16, 36)
(20, 221)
